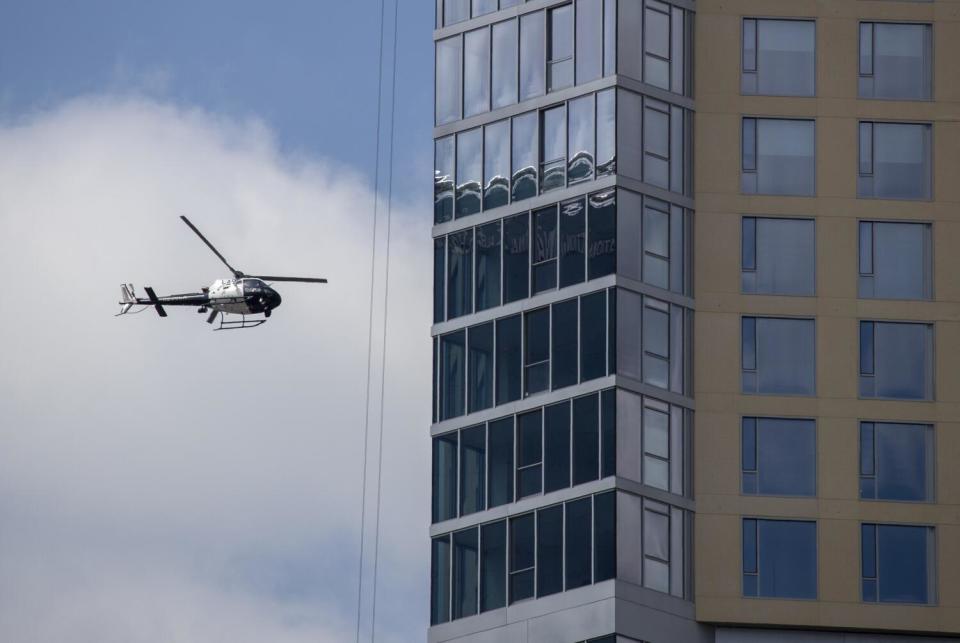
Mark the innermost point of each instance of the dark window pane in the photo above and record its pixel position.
(748, 343)
(488, 266)
(443, 179)
(444, 477)
(452, 375)
(573, 240)
(521, 557)
(524, 156)
(900, 261)
(748, 252)
(550, 551)
(904, 461)
(439, 281)
(480, 391)
(545, 249)
(579, 546)
(749, 152)
(750, 546)
(493, 566)
(593, 336)
(868, 551)
(473, 466)
(785, 353)
(787, 454)
(501, 462)
(532, 55)
(505, 45)
(537, 351)
(903, 563)
(904, 360)
(602, 235)
(785, 257)
(459, 273)
(565, 343)
(605, 536)
(496, 165)
(516, 258)
(509, 359)
(465, 561)
(586, 439)
(608, 433)
(866, 348)
(529, 453)
(589, 40)
(748, 453)
(440, 580)
(788, 559)
(867, 449)
(556, 447)
(612, 331)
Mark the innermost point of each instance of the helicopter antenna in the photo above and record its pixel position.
(236, 273)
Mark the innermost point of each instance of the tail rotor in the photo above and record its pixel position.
(128, 299)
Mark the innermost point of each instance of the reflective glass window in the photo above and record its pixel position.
(455, 11)
(529, 453)
(589, 40)
(778, 157)
(656, 143)
(586, 439)
(656, 546)
(508, 359)
(604, 536)
(444, 477)
(579, 546)
(476, 72)
(532, 55)
(896, 461)
(544, 260)
(488, 258)
(500, 463)
(602, 234)
(779, 57)
(452, 375)
(536, 375)
(482, 7)
(656, 37)
(564, 344)
(505, 62)
(573, 241)
(778, 356)
(656, 242)
(556, 447)
(778, 256)
(656, 444)
(780, 559)
(582, 133)
(522, 557)
(898, 563)
(606, 132)
(560, 48)
(896, 360)
(553, 148)
(896, 61)
(469, 171)
(443, 179)
(524, 156)
(516, 258)
(449, 53)
(609, 37)
(473, 469)
(608, 433)
(896, 260)
(656, 343)
(779, 456)
(496, 165)
(439, 278)
(466, 557)
(550, 550)
(480, 375)
(593, 336)
(440, 580)
(895, 161)
(459, 273)
(493, 566)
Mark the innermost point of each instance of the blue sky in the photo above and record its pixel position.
(160, 482)
(307, 68)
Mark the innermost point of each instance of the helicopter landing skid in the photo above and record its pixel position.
(238, 324)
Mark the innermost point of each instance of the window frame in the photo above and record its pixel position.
(755, 170)
(756, 51)
(861, 74)
(931, 547)
(744, 471)
(930, 465)
(755, 219)
(862, 164)
(862, 359)
(755, 369)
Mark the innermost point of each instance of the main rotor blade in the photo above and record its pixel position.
(307, 280)
(236, 273)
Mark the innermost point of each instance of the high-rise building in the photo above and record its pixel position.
(734, 426)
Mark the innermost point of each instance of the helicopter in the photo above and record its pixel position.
(242, 295)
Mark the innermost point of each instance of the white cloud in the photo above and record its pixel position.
(160, 482)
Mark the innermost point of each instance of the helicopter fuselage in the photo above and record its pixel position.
(245, 296)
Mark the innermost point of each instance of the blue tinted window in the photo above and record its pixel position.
(493, 566)
(521, 557)
(556, 447)
(604, 536)
(509, 359)
(473, 469)
(452, 375)
(465, 568)
(572, 242)
(550, 550)
(529, 453)
(785, 555)
(782, 352)
(480, 375)
(564, 343)
(896, 461)
(500, 464)
(516, 258)
(783, 457)
(903, 567)
(586, 439)
(896, 360)
(488, 256)
(579, 548)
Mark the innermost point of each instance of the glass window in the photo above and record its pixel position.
(779, 456)
(449, 53)
(779, 558)
(455, 11)
(779, 57)
(444, 477)
(894, 161)
(656, 143)
(440, 580)
(556, 447)
(656, 546)
(560, 48)
(608, 433)
(606, 132)
(656, 38)
(493, 566)
(550, 550)
(896, 61)
(553, 148)
(480, 369)
(656, 342)
(604, 536)
(476, 72)
(522, 559)
(602, 234)
(505, 61)
(443, 179)
(488, 259)
(609, 37)
(778, 157)
(465, 569)
(482, 7)
(469, 171)
(896, 461)
(582, 132)
(586, 439)
(536, 360)
(898, 563)
(656, 444)
(524, 156)
(778, 356)
(896, 360)
(677, 50)
(439, 281)
(529, 453)
(508, 359)
(573, 241)
(459, 273)
(516, 258)
(579, 548)
(533, 49)
(589, 40)
(500, 464)
(544, 261)
(778, 256)
(593, 336)
(896, 260)
(656, 242)
(453, 373)
(496, 165)
(564, 344)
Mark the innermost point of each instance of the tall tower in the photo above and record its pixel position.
(573, 498)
